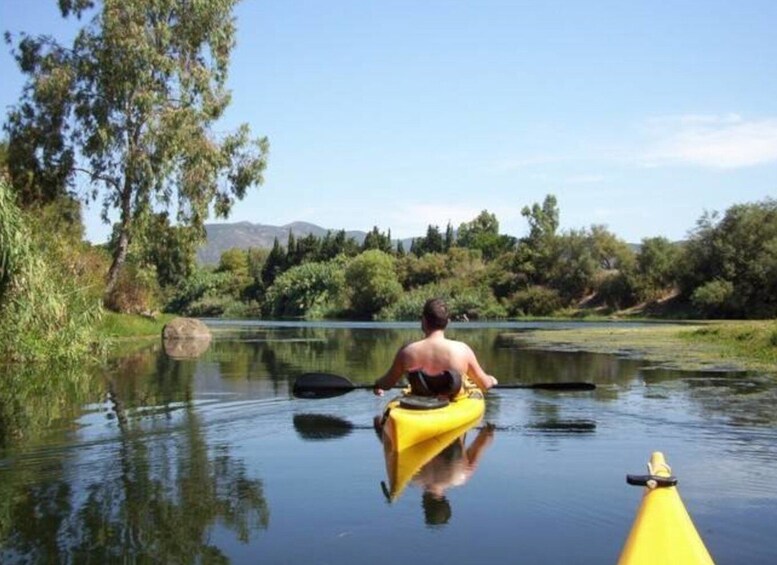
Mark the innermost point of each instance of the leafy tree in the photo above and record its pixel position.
(431, 243)
(656, 266)
(308, 249)
(483, 233)
(375, 239)
(132, 105)
(543, 220)
(291, 251)
(535, 301)
(274, 265)
(372, 282)
(714, 298)
(450, 237)
(169, 249)
(418, 271)
(610, 251)
(738, 251)
(334, 245)
(484, 223)
(573, 272)
(312, 289)
(539, 251)
(234, 263)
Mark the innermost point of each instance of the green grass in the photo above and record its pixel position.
(756, 341)
(115, 325)
(693, 345)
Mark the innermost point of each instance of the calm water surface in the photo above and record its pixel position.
(161, 459)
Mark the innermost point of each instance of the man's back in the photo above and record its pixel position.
(436, 354)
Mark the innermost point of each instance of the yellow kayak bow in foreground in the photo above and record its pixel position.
(663, 532)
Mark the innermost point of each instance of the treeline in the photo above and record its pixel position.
(726, 268)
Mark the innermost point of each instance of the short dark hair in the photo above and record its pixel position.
(436, 314)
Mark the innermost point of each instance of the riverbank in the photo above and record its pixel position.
(720, 345)
(117, 326)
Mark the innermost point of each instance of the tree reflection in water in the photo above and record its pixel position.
(154, 491)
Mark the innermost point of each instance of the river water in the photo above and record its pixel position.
(159, 458)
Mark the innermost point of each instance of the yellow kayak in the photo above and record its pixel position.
(402, 466)
(405, 425)
(663, 532)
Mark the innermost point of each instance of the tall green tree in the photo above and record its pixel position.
(274, 265)
(372, 282)
(132, 105)
(539, 252)
(432, 242)
(732, 261)
(483, 233)
(656, 265)
(376, 239)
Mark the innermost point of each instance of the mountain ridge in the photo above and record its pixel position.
(245, 234)
(221, 237)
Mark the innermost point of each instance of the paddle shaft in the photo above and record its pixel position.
(508, 386)
(325, 385)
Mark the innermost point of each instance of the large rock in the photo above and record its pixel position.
(185, 328)
(185, 338)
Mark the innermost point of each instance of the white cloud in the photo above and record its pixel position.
(721, 142)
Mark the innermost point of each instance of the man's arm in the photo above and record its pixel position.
(476, 372)
(393, 375)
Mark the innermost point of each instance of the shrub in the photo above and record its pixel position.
(713, 298)
(136, 291)
(310, 290)
(470, 303)
(372, 283)
(534, 301)
(615, 290)
(47, 312)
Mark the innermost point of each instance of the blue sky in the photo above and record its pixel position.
(636, 115)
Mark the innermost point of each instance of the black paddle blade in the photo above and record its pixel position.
(564, 426)
(321, 385)
(321, 426)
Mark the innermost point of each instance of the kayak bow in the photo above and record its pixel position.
(663, 531)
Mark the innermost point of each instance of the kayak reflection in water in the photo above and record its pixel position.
(452, 467)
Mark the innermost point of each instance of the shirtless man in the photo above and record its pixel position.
(435, 355)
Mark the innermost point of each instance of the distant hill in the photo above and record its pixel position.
(243, 235)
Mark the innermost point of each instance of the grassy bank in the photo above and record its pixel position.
(714, 345)
(114, 325)
(755, 342)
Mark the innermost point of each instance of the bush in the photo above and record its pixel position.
(199, 288)
(136, 291)
(463, 302)
(534, 301)
(713, 298)
(372, 283)
(615, 290)
(310, 290)
(47, 312)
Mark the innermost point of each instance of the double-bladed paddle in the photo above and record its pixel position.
(327, 385)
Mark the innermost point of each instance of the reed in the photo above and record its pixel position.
(46, 314)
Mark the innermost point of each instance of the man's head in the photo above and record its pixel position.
(435, 315)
